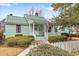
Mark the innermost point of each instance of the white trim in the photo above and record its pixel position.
(45, 32)
(29, 28)
(34, 31)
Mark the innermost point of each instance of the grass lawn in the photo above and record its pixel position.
(10, 51)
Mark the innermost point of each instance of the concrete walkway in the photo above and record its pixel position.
(26, 51)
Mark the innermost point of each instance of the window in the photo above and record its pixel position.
(18, 28)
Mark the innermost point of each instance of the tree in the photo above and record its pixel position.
(33, 10)
(69, 15)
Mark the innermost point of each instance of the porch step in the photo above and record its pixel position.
(41, 38)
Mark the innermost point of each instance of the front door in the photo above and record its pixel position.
(39, 30)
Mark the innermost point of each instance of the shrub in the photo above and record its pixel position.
(65, 34)
(11, 41)
(25, 41)
(47, 50)
(18, 35)
(74, 35)
(56, 38)
(22, 41)
(30, 36)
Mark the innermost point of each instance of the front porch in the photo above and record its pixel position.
(39, 31)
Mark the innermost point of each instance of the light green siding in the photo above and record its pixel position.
(10, 30)
(25, 30)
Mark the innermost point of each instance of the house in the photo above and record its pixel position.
(28, 25)
(58, 30)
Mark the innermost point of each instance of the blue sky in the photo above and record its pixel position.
(19, 9)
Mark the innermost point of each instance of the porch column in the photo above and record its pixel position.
(33, 29)
(29, 29)
(45, 31)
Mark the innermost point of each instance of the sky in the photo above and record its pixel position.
(19, 9)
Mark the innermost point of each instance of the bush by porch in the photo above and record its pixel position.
(21, 41)
(57, 38)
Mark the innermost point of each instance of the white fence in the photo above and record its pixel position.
(67, 45)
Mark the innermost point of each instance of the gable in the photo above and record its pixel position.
(36, 19)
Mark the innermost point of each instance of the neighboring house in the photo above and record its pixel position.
(57, 30)
(28, 25)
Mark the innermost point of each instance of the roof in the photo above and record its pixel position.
(10, 19)
(36, 19)
(16, 20)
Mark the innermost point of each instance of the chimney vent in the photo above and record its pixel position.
(11, 14)
(36, 14)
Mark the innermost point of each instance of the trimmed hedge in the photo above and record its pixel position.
(70, 35)
(21, 41)
(57, 38)
(18, 35)
(47, 50)
(11, 41)
(74, 35)
(65, 34)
